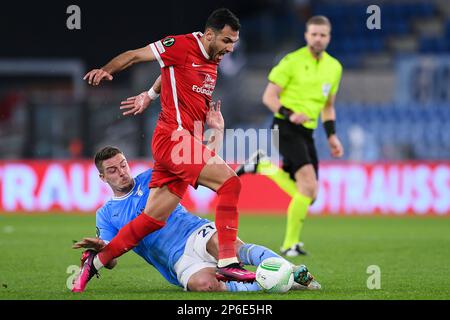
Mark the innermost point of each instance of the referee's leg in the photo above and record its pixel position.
(306, 181)
(307, 187)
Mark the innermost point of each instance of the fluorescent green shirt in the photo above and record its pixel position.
(306, 82)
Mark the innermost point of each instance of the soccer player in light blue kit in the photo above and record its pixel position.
(185, 250)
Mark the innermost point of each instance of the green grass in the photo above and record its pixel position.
(413, 254)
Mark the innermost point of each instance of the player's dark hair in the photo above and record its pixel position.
(220, 18)
(318, 20)
(105, 154)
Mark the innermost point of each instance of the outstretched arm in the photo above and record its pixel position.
(119, 63)
(137, 104)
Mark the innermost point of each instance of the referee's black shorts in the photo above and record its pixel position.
(296, 146)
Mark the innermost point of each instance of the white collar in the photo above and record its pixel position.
(127, 195)
(200, 44)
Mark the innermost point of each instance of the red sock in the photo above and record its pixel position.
(227, 217)
(129, 237)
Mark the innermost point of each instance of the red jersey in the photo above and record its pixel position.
(188, 78)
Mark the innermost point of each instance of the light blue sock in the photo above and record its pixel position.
(234, 286)
(253, 254)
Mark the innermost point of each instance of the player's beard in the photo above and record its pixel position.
(216, 52)
(128, 187)
(219, 56)
(317, 49)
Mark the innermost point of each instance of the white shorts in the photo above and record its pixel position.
(195, 256)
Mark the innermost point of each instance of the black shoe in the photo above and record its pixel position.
(251, 164)
(295, 250)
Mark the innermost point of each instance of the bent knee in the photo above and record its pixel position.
(232, 185)
(160, 215)
(309, 188)
(314, 189)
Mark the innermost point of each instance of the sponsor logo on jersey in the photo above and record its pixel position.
(167, 42)
(208, 86)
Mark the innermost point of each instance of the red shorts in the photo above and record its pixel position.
(179, 158)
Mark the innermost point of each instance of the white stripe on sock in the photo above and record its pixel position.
(225, 262)
(97, 263)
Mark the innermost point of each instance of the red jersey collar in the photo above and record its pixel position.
(200, 44)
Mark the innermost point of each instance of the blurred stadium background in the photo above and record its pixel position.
(393, 116)
(393, 107)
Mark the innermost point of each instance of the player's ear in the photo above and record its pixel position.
(209, 34)
(101, 176)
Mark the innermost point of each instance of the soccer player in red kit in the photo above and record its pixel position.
(188, 76)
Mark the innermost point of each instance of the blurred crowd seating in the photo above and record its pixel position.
(390, 132)
(351, 41)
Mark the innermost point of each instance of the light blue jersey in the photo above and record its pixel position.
(162, 248)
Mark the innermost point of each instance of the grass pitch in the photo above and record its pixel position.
(412, 253)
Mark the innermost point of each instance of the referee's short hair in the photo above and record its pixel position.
(318, 20)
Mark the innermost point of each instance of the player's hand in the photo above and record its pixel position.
(298, 118)
(136, 104)
(336, 148)
(96, 75)
(214, 117)
(90, 243)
